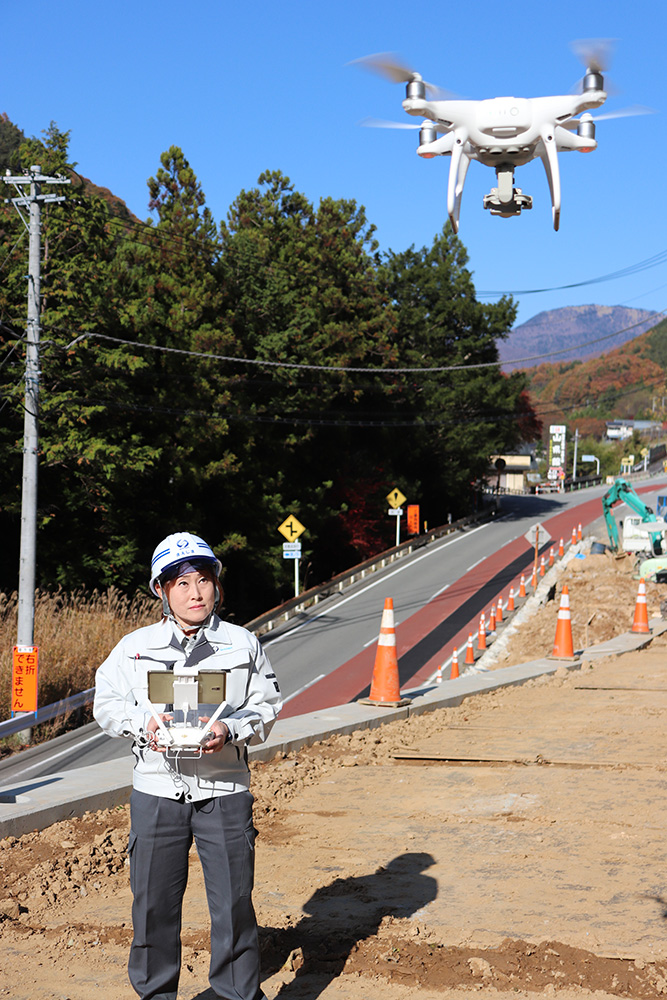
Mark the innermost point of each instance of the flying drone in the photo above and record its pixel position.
(503, 132)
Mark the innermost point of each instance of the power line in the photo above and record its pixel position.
(643, 265)
(618, 394)
(342, 370)
(6, 258)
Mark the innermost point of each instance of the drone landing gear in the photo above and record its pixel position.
(506, 200)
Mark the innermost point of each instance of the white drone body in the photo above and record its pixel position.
(503, 132)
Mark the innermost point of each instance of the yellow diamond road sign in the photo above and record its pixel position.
(291, 528)
(396, 498)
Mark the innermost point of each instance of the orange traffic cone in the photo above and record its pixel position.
(542, 567)
(640, 624)
(470, 652)
(454, 672)
(563, 647)
(551, 557)
(522, 586)
(481, 635)
(492, 620)
(499, 610)
(510, 600)
(561, 549)
(438, 676)
(385, 690)
(574, 536)
(579, 532)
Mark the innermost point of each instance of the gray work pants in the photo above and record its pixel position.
(161, 835)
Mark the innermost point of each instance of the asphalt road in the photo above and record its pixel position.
(324, 657)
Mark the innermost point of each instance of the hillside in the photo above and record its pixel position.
(557, 329)
(628, 381)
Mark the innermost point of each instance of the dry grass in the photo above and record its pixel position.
(74, 632)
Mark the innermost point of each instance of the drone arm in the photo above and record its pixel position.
(550, 160)
(457, 173)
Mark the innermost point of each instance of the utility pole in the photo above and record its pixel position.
(576, 445)
(32, 200)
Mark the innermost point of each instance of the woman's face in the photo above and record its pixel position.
(191, 597)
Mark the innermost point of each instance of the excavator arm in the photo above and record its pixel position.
(622, 492)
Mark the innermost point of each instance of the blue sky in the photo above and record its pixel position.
(247, 88)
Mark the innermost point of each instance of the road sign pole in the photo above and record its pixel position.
(296, 577)
(398, 530)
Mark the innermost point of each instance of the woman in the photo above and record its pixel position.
(176, 798)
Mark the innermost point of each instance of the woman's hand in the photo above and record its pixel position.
(217, 738)
(152, 729)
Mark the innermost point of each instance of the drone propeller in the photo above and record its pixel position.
(389, 65)
(384, 123)
(594, 53)
(636, 109)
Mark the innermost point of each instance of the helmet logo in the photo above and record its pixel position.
(183, 543)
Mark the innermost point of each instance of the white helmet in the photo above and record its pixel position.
(178, 548)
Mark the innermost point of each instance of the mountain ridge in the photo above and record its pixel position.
(573, 333)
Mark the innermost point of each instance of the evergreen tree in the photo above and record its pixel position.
(470, 409)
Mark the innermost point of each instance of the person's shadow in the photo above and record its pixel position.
(342, 914)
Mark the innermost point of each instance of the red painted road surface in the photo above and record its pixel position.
(345, 683)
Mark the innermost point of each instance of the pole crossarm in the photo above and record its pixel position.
(34, 177)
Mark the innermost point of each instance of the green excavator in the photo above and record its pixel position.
(645, 526)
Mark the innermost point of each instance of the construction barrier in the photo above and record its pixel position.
(454, 672)
(563, 646)
(640, 623)
(481, 635)
(385, 690)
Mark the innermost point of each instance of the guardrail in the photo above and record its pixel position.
(296, 605)
(12, 726)
(266, 622)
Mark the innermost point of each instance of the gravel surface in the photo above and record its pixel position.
(511, 846)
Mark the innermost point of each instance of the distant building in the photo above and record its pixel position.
(619, 430)
(517, 474)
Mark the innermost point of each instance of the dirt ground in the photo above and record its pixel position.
(512, 846)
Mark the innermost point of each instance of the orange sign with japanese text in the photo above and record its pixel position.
(413, 518)
(24, 679)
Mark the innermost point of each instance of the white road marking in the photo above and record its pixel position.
(375, 583)
(61, 753)
(302, 689)
(438, 592)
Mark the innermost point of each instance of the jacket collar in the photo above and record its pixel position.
(162, 634)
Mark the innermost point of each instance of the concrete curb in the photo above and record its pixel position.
(34, 805)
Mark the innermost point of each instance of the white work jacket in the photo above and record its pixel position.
(253, 701)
